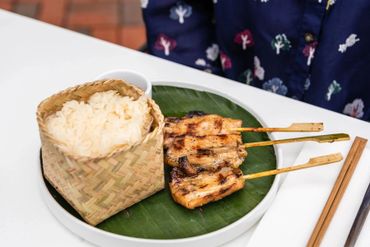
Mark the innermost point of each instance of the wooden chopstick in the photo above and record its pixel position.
(359, 220)
(337, 192)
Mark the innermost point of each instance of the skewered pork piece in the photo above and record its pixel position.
(197, 123)
(191, 189)
(211, 141)
(191, 143)
(212, 159)
(207, 141)
(200, 124)
(207, 152)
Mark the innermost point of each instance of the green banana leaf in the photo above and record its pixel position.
(159, 217)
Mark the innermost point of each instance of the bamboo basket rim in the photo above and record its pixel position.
(154, 111)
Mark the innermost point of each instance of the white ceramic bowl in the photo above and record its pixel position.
(216, 238)
(132, 77)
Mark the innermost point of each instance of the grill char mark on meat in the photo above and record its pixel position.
(186, 167)
(208, 152)
(208, 124)
(218, 124)
(206, 187)
(179, 143)
(202, 151)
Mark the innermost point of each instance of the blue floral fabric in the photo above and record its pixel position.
(316, 51)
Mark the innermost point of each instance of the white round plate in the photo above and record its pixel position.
(103, 238)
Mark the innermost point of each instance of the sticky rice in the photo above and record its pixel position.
(97, 127)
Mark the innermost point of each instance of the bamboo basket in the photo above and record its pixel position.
(101, 187)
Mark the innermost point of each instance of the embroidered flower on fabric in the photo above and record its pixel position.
(350, 41)
(280, 42)
(246, 77)
(333, 88)
(164, 43)
(244, 38)
(225, 61)
(144, 3)
(180, 12)
(259, 72)
(309, 51)
(212, 52)
(307, 83)
(275, 85)
(200, 62)
(355, 109)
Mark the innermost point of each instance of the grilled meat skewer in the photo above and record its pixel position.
(201, 124)
(193, 189)
(210, 159)
(207, 152)
(204, 187)
(189, 144)
(209, 141)
(223, 152)
(205, 139)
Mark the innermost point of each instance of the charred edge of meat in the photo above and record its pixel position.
(192, 129)
(222, 179)
(184, 191)
(200, 169)
(223, 137)
(224, 190)
(186, 167)
(218, 124)
(204, 151)
(176, 175)
(238, 173)
(169, 120)
(172, 135)
(191, 114)
(179, 143)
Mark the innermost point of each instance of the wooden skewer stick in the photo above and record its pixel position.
(320, 139)
(316, 161)
(295, 127)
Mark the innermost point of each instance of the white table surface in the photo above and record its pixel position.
(37, 59)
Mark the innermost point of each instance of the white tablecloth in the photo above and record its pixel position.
(292, 217)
